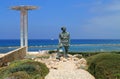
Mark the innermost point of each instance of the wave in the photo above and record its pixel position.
(73, 47)
(9, 47)
(95, 45)
(45, 46)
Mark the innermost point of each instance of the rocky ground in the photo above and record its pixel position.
(66, 68)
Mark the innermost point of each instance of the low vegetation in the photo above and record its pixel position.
(84, 54)
(24, 69)
(105, 65)
(34, 56)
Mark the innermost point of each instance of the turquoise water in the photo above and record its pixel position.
(78, 45)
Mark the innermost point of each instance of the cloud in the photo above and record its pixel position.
(105, 23)
(109, 16)
(112, 6)
(84, 4)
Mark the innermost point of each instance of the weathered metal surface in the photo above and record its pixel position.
(64, 40)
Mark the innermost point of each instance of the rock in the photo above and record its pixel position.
(54, 66)
(61, 58)
(70, 68)
(75, 55)
(70, 56)
(78, 56)
(37, 59)
(64, 60)
(69, 59)
(82, 64)
(67, 70)
(76, 59)
(83, 61)
(54, 55)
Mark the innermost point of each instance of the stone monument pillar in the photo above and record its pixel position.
(24, 23)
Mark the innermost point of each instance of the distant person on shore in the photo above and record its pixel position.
(64, 41)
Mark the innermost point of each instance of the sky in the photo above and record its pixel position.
(84, 19)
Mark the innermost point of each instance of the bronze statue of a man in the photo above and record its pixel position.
(64, 40)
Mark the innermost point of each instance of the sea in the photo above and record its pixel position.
(76, 45)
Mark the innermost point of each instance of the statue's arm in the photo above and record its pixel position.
(60, 44)
(69, 38)
(59, 38)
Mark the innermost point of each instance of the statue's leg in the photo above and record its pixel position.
(58, 55)
(58, 52)
(66, 51)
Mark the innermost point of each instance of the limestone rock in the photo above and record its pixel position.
(67, 68)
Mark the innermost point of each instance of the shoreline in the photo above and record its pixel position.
(2, 54)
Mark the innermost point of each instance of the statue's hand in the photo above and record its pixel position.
(69, 44)
(60, 45)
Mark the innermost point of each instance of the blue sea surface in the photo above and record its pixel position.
(76, 45)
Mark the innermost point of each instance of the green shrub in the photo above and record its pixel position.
(84, 54)
(24, 68)
(105, 66)
(18, 75)
(43, 57)
(52, 51)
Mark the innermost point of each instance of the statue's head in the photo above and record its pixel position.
(63, 29)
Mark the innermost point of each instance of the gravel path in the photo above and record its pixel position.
(68, 70)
